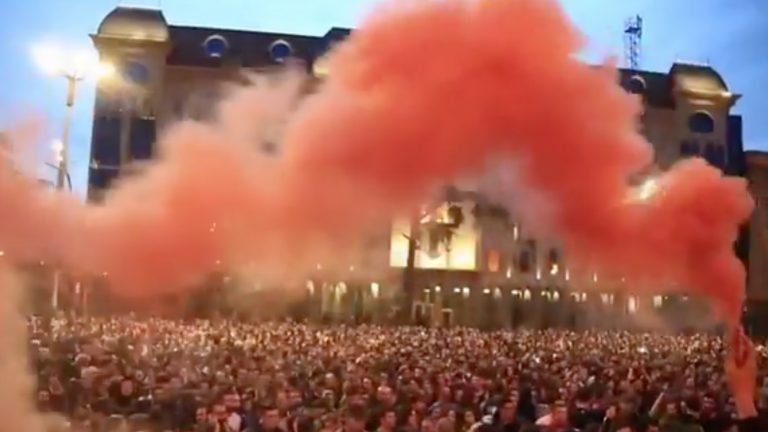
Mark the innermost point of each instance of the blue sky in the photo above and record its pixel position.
(731, 35)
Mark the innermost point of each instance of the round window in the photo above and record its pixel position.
(216, 46)
(280, 50)
(136, 73)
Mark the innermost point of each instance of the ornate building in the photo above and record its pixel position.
(757, 249)
(484, 269)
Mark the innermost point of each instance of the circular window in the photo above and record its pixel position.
(280, 50)
(636, 85)
(136, 73)
(701, 122)
(216, 46)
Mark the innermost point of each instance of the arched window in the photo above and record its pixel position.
(701, 122)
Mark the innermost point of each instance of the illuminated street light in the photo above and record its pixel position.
(74, 66)
(58, 151)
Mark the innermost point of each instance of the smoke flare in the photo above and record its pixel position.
(423, 93)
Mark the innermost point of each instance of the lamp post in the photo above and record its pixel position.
(73, 66)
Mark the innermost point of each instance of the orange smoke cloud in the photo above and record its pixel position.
(422, 93)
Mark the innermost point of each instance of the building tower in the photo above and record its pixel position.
(633, 36)
(136, 42)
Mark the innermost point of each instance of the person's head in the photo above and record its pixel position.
(388, 420)
(627, 406)
(232, 401)
(469, 418)
(508, 409)
(670, 408)
(428, 425)
(385, 395)
(270, 417)
(219, 412)
(354, 421)
(201, 414)
(445, 425)
(412, 419)
(451, 415)
(559, 413)
(126, 387)
(281, 400)
(294, 398)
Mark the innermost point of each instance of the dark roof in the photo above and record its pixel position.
(245, 48)
(658, 86)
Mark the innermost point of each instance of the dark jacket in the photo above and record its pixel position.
(752, 424)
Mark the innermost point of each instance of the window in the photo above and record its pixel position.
(636, 85)
(280, 50)
(524, 262)
(216, 46)
(607, 299)
(658, 301)
(554, 262)
(136, 73)
(701, 122)
(633, 304)
(142, 138)
(493, 260)
(689, 148)
(715, 154)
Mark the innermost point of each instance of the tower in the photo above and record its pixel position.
(633, 36)
(136, 42)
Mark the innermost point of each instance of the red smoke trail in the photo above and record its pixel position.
(423, 93)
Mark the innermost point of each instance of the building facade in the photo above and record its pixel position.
(483, 270)
(757, 249)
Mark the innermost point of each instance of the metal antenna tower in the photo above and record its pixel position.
(633, 36)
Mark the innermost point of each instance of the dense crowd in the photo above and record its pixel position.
(151, 374)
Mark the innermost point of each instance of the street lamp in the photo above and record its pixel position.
(74, 66)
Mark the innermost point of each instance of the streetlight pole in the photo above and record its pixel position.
(62, 178)
(74, 69)
(62, 175)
